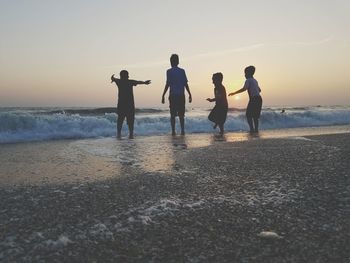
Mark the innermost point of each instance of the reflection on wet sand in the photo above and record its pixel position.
(87, 160)
(153, 153)
(157, 153)
(57, 162)
(150, 154)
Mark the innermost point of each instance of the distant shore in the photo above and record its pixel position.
(239, 200)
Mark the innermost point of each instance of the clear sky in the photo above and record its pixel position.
(62, 53)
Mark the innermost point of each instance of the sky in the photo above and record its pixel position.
(62, 53)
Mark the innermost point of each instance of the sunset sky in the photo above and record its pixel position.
(62, 53)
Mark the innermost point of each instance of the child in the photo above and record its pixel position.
(219, 112)
(126, 105)
(176, 80)
(255, 101)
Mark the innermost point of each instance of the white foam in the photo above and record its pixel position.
(269, 234)
(61, 241)
(301, 138)
(101, 231)
(195, 204)
(145, 220)
(28, 126)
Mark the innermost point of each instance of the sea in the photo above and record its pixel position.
(57, 123)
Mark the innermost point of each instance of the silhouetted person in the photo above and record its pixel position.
(126, 104)
(219, 112)
(176, 80)
(255, 101)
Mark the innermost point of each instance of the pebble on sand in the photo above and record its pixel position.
(269, 234)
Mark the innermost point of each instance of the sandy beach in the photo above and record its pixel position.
(280, 197)
(175, 131)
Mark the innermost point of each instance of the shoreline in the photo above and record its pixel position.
(268, 133)
(98, 159)
(210, 203)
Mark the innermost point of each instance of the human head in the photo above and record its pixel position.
(249, 71)
(217, 78)
(124, 74)
(174, 60)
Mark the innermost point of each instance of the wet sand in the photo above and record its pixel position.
(184, 199)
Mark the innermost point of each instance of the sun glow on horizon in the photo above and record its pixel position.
(66, 58)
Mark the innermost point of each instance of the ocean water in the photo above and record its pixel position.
(42, 124)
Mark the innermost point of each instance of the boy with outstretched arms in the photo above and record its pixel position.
(126, 104)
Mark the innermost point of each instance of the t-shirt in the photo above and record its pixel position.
(252, 86)
(125, 93)
(177, 80)
(220, 96)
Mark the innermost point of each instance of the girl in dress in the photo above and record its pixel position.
(219, 112)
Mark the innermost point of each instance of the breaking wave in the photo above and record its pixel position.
(22, 125)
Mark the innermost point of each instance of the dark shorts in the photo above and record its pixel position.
(218, 114)
(177, 105)
(126, 112)
(254, 107)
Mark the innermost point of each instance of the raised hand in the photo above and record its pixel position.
(148, 82)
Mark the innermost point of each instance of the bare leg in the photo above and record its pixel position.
(130, 121)
(172, 122)
(182, 124)
(221, 127)
(120, 121)
(256, 125)
(250, 122)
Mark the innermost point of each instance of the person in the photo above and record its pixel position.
(219, 112)
(176, 80)
(255, 101)
(126, 104)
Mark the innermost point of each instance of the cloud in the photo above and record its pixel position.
(225, 52)
(194, 57)
(312, 43)
(218, 53)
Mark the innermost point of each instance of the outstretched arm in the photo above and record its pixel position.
(113, 79)
(189, 93)
(238, 91)
(137, 82)
(164, 92)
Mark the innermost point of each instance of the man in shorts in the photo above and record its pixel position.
(176, 80)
